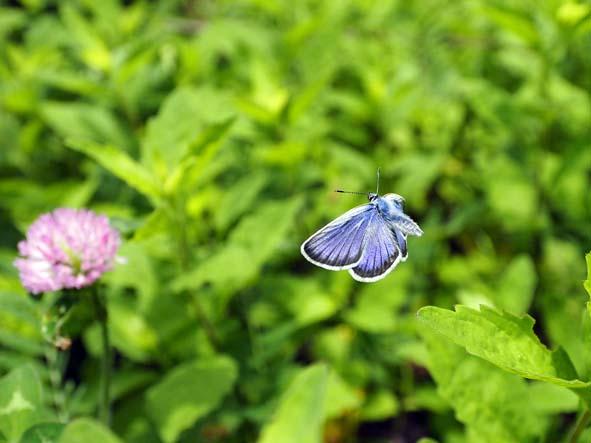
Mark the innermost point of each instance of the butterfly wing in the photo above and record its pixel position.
(401, 242)
(339, 245)
(406, 225)
(381, 252)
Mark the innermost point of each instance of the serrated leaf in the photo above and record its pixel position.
(494, 405)
(87, 430)
(506, 341)
(119, 164)
(188, 392)
(300, 414)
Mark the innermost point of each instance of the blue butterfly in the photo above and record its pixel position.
(368, 241)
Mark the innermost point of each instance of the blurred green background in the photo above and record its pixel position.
(213, 133)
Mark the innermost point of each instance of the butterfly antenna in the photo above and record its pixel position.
(350, 192)
(378, 183)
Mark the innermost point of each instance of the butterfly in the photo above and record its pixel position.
(368, 240)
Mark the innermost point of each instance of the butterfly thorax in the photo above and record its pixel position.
(389, 205)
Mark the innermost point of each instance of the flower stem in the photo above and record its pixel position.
(104, 404)
(52, 357)
(580, 426)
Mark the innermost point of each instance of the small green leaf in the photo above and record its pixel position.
(517, 285)
(506, 341)
(301, 413)
(119, 164)
(188, 392)
(43, 433)
(20, 402)
(87, 430)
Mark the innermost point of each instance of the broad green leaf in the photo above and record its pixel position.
(506, 341)
(20, 402)
(301, 411)
(188, 392)
(87, 430)
(43, 433)
(119, 164)
(494, 405)
(188, 116)
(251, 244)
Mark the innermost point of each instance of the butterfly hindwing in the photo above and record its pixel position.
(401, 242)
(381, 252)
(339, 245)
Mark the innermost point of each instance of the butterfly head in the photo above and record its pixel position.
(371, 196)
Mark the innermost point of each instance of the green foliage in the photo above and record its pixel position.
(213, 133)
(20, 403)
(88, 430)
(300, 414)
(477, 392)
(43, 433)
(504, 340)
(187, 393)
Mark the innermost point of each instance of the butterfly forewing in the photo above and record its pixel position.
(339, 245)
(381, 253)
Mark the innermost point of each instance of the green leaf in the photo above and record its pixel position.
(250, 245)
(87, 430)
(188, 119)
(188, 392)
(20, 324)
(506, 341)
(20, 402)
(517, 285)
(300, 415)
(494, 405)
(119, 164)
(43, 433)
(376, 306)
(238, 199)
(84, 121)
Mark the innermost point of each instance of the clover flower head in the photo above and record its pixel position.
(66, 249)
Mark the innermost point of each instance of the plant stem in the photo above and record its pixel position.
(55, 379)
(184, 262)
(104, 404)
(580, 426)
